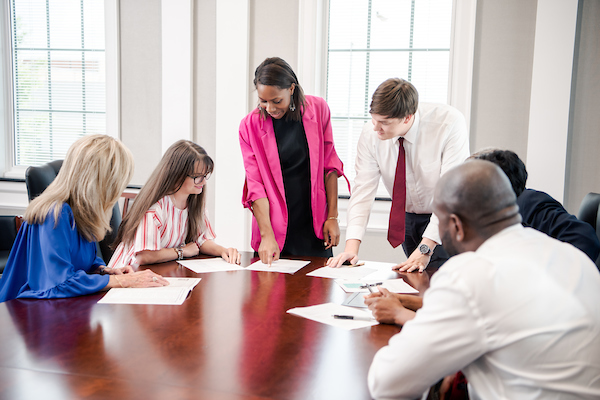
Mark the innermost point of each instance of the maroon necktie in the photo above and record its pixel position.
(396, 226)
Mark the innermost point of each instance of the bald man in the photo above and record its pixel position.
(517, 311)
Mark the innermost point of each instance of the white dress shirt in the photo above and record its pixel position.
(520, 317)
(437, 141)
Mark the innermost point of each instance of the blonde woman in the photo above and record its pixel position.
(54, 254)
(167, 220)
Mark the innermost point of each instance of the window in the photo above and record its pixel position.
(370, 41)
(58, 76)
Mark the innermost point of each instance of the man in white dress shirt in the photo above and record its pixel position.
(435, 139)
(516, 310)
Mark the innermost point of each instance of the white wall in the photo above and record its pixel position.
(583, 162)
(141, 83)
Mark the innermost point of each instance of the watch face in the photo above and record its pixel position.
(424, 249)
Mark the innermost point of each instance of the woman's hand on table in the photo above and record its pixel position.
(331, 233)
(191, 250)
(128, 269)
(268, 251)
(231, 255)
(140, 279)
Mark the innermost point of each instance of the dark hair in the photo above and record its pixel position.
(395, 98)
(179, 162)
(510, 163)
(276, 72)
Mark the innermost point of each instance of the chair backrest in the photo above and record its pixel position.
(588, 211)
(8, 231)
(8, 234)
(37, 180)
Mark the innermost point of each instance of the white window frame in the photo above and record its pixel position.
(8, 169)
(312, 73)
(312, 51)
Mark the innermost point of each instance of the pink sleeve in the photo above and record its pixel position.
(253, 186)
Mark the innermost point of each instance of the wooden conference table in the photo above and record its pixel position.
(231, 339)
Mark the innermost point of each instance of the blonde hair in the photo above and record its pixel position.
(179, 162)
(91, 179)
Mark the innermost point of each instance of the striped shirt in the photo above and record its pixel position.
(163, 226)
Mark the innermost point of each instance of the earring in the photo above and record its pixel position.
(259, 107)
(292, 105)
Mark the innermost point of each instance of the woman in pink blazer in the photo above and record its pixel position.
(291, 168)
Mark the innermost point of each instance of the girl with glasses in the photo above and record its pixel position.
(168, 220)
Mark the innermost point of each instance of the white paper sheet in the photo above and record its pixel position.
(324, 313)
(183, 282)
(383, 271)
(206, 265)
(174, 294)
(399, 286)
(282, 265)
(352, 273)
(393, 285)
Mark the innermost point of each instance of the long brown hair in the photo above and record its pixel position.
(95, 172)
(179, 162)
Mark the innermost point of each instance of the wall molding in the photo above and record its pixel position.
(551, 96)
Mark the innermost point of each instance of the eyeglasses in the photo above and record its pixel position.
(200, 178)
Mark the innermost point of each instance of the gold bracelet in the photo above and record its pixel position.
(117, 278)
(336, 218)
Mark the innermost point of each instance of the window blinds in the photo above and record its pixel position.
(58, 66)
(373, 40)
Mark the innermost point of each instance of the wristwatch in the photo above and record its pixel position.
(179, 252)
(425, 250)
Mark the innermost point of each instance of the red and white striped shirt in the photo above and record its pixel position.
(163, 226)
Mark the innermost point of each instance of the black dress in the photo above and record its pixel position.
(300, 239)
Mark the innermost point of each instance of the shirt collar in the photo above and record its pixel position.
(413, 132)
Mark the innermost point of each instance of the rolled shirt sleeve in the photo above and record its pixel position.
(446, 335)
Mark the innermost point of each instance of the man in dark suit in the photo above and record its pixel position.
(539, 210)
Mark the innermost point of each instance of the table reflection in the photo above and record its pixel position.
(231, 338)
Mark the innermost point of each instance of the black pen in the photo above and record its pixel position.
(356, 317)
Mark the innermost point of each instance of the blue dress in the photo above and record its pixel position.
(48, 262)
